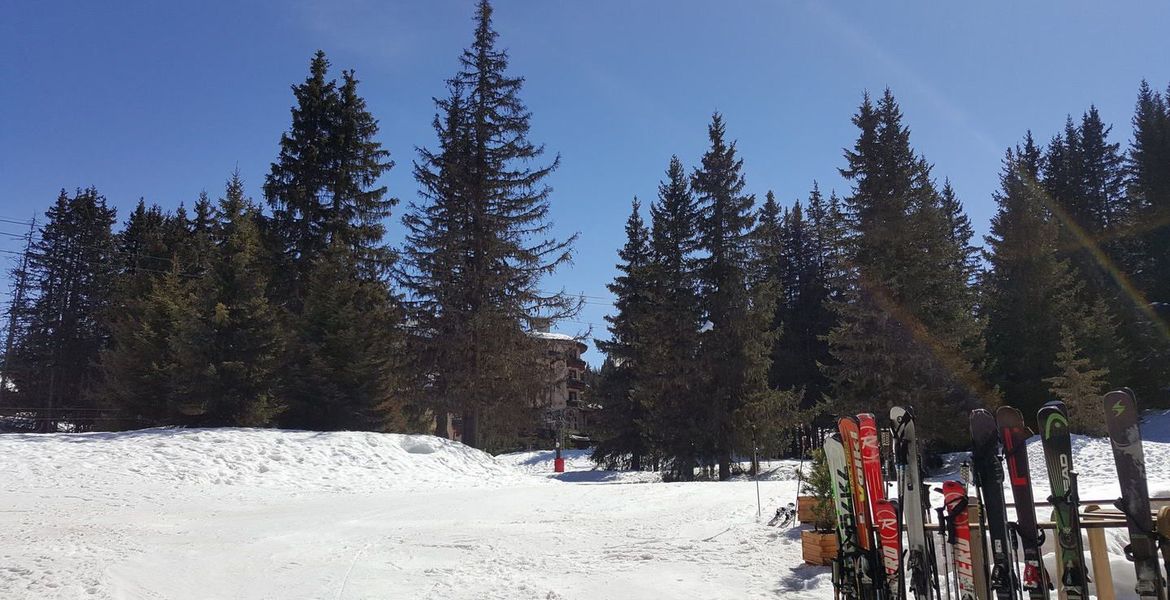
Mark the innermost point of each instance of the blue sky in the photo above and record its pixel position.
(161, 100)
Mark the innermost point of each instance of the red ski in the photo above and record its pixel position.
(886, 519)
(851, 436)
(885, 513)
(869, 559)
(959, 531)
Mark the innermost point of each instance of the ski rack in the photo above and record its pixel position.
(1095, 520)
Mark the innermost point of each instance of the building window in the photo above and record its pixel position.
(572, 396)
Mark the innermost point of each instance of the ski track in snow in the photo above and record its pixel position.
(249, 513)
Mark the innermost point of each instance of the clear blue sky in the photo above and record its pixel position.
(164, 99)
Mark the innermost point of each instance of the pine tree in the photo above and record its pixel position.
(323, 188)
(767, 244)
(908, 320)
(71, 273)
(1148, 166)
(343, 370)
(1080, 385)
(803, 313)
(735, 348)
(228, 347)
(1027, 290)
(327, 221)
(624, 401)
(139, 366)
(477, 249)
(671, 375)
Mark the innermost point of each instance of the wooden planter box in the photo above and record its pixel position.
(805, 505)
(818, 548)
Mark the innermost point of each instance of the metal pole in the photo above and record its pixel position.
(756, 462)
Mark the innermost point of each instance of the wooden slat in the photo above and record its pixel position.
(1099, 553)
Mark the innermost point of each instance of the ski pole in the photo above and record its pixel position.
(978, 481)
(944, 533)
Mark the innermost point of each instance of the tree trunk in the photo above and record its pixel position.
(724, 466)
(471, 428)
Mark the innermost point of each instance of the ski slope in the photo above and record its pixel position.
(245, 513)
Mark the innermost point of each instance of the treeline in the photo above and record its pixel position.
(736, 320)
(303, 315)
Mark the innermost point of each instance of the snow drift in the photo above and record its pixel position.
(268, 458)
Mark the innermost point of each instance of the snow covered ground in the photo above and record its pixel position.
(243, 513)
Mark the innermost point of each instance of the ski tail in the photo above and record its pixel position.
(959, 528)
(846, 572)
(887, 520)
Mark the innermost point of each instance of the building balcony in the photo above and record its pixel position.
(576, 385)
(575, 363)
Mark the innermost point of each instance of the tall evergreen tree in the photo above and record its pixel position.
(678, 419)
(735, 347)
(477, 249)
(907, 323)
(1027, 289)
(625, 401)
(803, 312)
(1148, 166)
(327, 221)
(323, 188)
(227, 349)
(151, 295)
(70, 272)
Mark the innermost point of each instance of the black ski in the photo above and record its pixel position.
(1015, 436)
(1121, 418)
(988, 473)
(1055, 436)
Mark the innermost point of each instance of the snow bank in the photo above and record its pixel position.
(268, 458)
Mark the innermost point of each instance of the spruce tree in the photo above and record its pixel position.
(327, 221)
(1148, 189)
(227, 349)
(1027, 289)
(735, 347)
(71, 273)
(625, 402)
(478, 247)
(803, 313)
(672, 379)
(1080, 385)
(907, 323)
(323, 188)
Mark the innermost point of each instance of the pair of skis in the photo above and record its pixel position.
(1121, 419)
(870, 524)
(868, 527)
(992, 435)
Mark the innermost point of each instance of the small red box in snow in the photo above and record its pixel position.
(559, 465)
